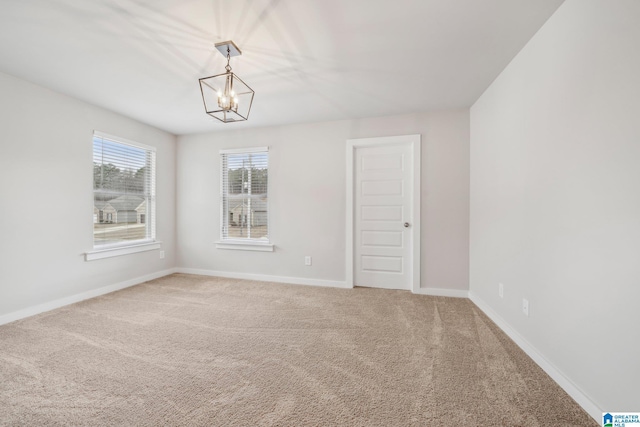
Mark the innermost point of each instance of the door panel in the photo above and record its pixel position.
(382, 263)
(381, 213)
(382, 238)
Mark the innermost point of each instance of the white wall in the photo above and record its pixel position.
(307, 197)
(555, 197)
(46, 196)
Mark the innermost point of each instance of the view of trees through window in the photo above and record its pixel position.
(122, 184)
(245, 182)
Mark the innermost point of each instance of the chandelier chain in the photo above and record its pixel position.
(228, 67)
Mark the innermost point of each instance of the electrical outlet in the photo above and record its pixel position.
(307, 260)
(161, 254)
(500, 290)
(525, 307)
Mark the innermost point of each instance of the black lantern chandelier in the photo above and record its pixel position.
(226, 97)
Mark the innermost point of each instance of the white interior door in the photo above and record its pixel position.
(383, 193)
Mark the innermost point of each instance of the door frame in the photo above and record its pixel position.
(352, 146)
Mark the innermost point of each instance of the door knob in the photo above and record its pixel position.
(406, 225)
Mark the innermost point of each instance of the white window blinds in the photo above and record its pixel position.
(244, 195)
(124, 191)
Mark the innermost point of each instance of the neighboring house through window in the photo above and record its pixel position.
(244, 199)
(124, 192)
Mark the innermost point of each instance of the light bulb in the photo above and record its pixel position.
(219, 94)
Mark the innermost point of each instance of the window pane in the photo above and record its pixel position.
(247, 218)
(244, 195)
(124, 190)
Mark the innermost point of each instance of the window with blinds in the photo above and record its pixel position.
(124, 191)
(245, 176)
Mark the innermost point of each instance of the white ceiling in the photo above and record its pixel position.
(307, 60)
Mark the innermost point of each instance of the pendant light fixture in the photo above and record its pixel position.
(226, 97)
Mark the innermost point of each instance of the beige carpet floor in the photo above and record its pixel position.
(190, 350)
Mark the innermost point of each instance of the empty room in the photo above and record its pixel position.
(319, 213)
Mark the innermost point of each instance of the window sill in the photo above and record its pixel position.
(240, 245)
(121, 250)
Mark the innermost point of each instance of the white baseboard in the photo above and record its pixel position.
(441, 292)
(51, 305)
(265, 278)
(567, 385)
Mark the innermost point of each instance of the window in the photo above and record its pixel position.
(124, 194)
(244, 199)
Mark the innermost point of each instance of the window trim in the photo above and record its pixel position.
(134, 246)
(98, 134)
(248, 245)
(117, 250)
(245, 150)
(260, 245)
